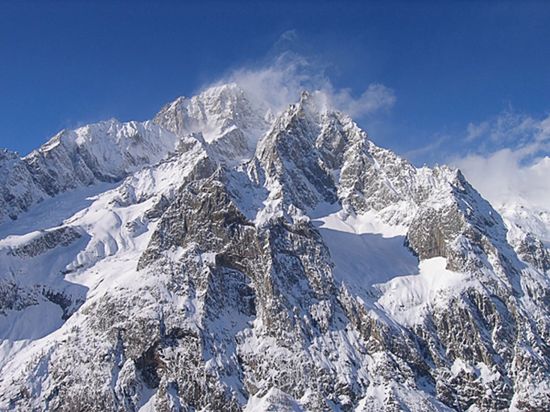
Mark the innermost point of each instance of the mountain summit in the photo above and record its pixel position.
(222, 258)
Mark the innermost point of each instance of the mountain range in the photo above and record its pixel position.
(222, 257)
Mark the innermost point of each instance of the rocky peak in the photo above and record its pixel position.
(216, 112)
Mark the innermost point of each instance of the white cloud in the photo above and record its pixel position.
(502, 178)
(517, 169)
(280, 83)
(475, 131)
(376, 97)
(509, 128)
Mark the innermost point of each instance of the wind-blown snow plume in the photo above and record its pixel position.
(280, 82)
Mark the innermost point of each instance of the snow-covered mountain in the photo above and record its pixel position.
(222, 258)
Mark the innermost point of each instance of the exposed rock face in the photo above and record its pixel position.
(13, 297)
(288, 155)
(533, 251)
(241, 265)
(18, 190)
(45, 241)
(223, 116)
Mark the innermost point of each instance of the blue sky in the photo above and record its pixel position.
(453, 70)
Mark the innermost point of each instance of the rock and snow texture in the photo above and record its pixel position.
(219, 258)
